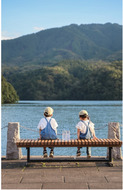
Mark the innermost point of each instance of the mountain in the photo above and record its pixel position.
(73, 42)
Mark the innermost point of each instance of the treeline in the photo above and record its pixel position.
(68, 80)
(9, 94)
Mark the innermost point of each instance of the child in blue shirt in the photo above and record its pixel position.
(48, 129)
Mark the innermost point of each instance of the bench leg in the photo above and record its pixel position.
(28, 154)
(110, 157)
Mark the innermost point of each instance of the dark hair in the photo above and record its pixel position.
(84, 116)
(46, 114)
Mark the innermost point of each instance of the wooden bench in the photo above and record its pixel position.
(110, 143)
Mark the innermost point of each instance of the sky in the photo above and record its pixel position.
(22, 17)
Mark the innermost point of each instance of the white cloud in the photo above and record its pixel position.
(7, 36)
(36, 28)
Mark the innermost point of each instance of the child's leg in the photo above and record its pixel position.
(51, 152)
(78, 152)
(45, 152)
(88, 151)
(52, 148)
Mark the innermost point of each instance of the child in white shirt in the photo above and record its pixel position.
(48, 128)
(85, 130)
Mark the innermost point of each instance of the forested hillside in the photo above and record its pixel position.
(68, 63)
(9, 94)
(69, 80)
(73, 42)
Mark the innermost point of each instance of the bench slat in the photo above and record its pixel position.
(104, 140)
(93, 142)
(35, 142)
(28, 142)
(76, 142)
(39, 142)
(45, 142)
(82, 142)
(89, 142)
(32, 142)
(109, 142)
(79, 142)
(49, 142)
(59, 142)
(116, 141)
(52, 142)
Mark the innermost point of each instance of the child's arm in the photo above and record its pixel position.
(92, 130)
(93, 134)
(40, 133)
(78, 134)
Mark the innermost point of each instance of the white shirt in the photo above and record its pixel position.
(82, 126)
(43, 123)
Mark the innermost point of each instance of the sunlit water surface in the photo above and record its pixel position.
(28, 114)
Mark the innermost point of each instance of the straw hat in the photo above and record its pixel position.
(48, 111)
(83, 112)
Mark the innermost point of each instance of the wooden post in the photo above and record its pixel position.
(114, 133)
(13, 134)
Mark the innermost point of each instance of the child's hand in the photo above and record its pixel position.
(95, 138)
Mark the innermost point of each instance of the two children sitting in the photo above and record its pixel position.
(48, 129)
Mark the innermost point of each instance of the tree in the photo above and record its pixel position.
(9, 94)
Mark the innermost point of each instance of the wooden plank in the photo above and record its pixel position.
(76, 142)
(112, 141)
(89, 142)
(59, 142)
(69, 142)
(42, 143)
(32, 142)
(79, 142)
(109, 143)
(96, 142)
(93, 142)
(104, 142)
(82, 142)
(21, 142)
(18, 142)
(62, 142)
(49, 143)
(53, 142)
(45, 142)
(72, 143)
(25, 142)
(35, 142)
(39, 142)
(100, 142)
(86, 142)
(56, 142)
(28, 142)
(118, 142)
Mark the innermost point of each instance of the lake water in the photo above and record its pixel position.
(28, 114)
